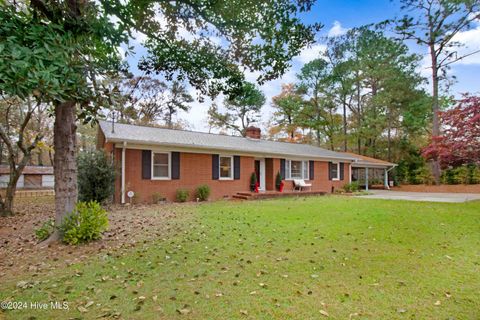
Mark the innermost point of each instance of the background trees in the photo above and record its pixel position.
(434, 25)
(242, 110)
(362, 94)
(18, 140)
(149, 101)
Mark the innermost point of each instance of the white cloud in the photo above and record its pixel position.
(337, 30)
(471, 41)
(310, 53)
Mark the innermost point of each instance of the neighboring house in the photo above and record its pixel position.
(33, 177)
(157, 160)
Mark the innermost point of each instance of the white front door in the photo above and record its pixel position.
(261, 173)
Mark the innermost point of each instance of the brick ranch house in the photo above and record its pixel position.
(157, 160)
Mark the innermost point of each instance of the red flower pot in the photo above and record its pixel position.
(282, 184)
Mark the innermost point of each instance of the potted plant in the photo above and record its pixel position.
(253, 181)
(278, 181)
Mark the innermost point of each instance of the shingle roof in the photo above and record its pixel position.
(183, 138)
(363, 161)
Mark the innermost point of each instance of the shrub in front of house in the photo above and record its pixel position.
(203, 192)
(278, 180)
(253, 181)
(85, 223)
(45, 230)
(182, 195)
(352, 187)
(96, 176)
(157, 197)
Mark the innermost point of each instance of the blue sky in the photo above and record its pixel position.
(337, 17)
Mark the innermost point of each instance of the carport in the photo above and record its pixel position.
(367, 171)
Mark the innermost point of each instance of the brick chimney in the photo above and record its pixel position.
(253, 132)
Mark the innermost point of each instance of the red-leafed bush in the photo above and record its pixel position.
(460, 141)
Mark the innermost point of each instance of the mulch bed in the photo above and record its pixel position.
(458, 188)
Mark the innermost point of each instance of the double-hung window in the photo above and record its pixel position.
(296, 169)
(161, 165)
(335, 171)
(226, 167)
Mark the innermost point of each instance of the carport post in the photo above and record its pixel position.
(386, 179)
(366, 179)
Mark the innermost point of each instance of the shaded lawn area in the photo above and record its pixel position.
(298, 258)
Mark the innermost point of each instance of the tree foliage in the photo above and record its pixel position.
(242, 110)
(210, 45)
(459, 143)
(150, 101)
(361, 93)
(434, 25)
(286, 117)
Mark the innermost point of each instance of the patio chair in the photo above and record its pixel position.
(300, 185)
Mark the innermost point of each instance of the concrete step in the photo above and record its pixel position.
(248, 194)
(241, 197)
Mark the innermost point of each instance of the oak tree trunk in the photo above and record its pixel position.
(65, 164)
(6, 205)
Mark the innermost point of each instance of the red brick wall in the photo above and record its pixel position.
(320, 180)
(196, 169)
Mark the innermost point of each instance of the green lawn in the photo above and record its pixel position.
(299, 258)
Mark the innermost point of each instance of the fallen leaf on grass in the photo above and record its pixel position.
(82, 309)
(324, 313)
(183, 311)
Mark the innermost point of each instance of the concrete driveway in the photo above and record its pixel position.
(422, 196)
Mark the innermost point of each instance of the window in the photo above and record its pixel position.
(335, 171)
(160, 165)
(296, 169)
(226, 167)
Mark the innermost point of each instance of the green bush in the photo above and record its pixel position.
(278, 180)
(45, 230)
(182, 195)
(352, 187)
(157, 197)
(96, 176)
(86, 223)
(203, 192)
(253, 179)
(467, 174)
